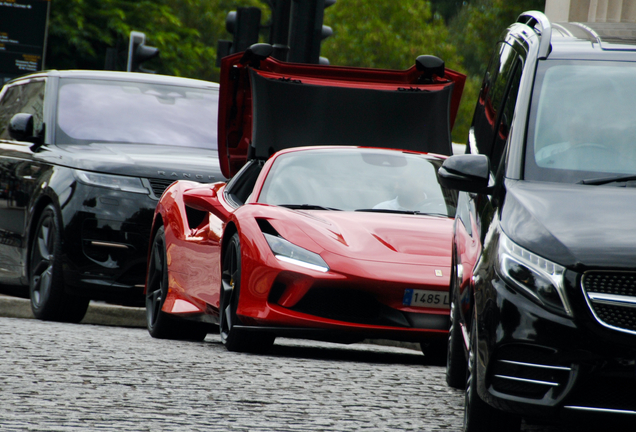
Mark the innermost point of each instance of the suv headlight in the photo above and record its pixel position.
(536, 276)
(289, 252)
(121, 183)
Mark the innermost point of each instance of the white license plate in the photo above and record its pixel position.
(424, 298)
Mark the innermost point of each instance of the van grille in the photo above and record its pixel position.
(611, 297)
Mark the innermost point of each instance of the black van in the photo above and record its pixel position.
(543, 317)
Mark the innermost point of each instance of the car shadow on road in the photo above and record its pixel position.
(364, 353)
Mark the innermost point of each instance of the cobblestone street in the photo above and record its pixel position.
(62, 377)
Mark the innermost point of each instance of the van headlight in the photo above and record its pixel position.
(109, 181)
(541, 279)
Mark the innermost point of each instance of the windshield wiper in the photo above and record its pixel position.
(307, 207)
(606, 180)
(411, 212)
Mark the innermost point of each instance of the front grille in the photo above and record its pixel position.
(349, 305)
(160, 185)
(611, 297)
(528, 372)
(619, 283)
(616, 316)
(605, 392)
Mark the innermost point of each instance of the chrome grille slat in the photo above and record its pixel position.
(541, 366)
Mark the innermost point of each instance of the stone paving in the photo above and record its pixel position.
(64, 377)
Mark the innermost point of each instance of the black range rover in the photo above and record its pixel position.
(543, 316)
(84, 158)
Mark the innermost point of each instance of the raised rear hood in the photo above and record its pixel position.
(266, 105)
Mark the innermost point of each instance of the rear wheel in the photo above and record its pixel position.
(161, 325)
(478, 415)
(46, 285)
(236, 339)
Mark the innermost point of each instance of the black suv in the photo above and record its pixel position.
(544, 256)
(84, 158)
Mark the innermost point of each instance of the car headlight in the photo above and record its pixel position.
(290, 253)
(538, 277)
(121, 183)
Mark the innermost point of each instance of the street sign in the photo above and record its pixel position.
(23, 31)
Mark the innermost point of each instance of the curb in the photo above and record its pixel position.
(98, 313)
(123, 316)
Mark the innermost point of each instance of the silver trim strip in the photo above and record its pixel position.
(108, 244)
(603, 410)
(613, 299)
(563, 368)
(548, 383)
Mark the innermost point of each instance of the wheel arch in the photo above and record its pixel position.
(157, 223)
(230, 230)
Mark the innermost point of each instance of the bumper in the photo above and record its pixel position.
(540, 364)
(106, 243)
(353, 300)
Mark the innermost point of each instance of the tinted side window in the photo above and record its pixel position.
(26, 98)
(9, 106)
(494, 91)
(506, 114)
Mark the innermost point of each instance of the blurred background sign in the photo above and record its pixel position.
(23, 32)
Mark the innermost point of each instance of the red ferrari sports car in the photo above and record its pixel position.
(333, 226)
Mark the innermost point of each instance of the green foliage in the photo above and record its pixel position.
(480, 23)
(185, 31)
(385, 34)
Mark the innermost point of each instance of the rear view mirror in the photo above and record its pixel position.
(468, 173)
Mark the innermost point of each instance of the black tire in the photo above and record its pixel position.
(456, 363)
(49, 302)
(434, 352)
(478, 415)
(235, 339)
(161, 325)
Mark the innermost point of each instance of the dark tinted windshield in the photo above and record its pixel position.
(133, 112)
(358, 179)
(582, 121)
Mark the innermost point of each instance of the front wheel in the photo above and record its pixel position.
(478, 415)
(160, 325)
(236, 339)
(49, 302)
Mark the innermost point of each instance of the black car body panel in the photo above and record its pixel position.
(105, 230)
(544, 253)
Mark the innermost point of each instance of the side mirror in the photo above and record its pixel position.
(430, 65)
(21, 127)
(468, 173)
(255, 53)
(200, 199)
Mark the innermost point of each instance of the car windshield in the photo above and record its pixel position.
(136, 112)
(358, 180)
(582, 122)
